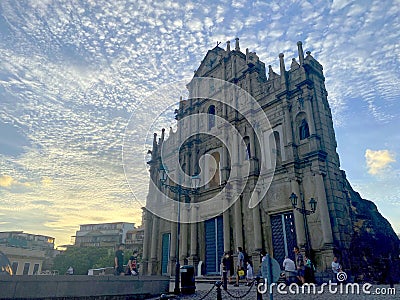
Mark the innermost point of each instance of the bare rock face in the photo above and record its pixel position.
(375, 247)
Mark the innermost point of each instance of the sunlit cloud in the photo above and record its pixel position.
(6, 181)
(378, 161)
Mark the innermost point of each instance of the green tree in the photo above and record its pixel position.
(83, 259)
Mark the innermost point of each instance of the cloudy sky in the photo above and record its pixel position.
(73, 72)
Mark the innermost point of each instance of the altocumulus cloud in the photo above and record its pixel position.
(378, 161)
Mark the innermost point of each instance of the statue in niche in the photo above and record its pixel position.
(301, 103)
(304, 130)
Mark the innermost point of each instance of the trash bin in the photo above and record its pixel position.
(188, 285)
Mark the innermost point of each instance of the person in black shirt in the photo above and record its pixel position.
(119, 260)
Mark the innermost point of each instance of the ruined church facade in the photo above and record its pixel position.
(301, 142)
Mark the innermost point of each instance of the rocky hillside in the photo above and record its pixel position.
(375, 246)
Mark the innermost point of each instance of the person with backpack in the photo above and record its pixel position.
(309, 270)
(239, 265)
(133, 264)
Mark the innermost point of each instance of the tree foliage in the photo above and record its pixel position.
(83, 259)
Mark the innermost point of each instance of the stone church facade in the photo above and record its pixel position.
(299, 150)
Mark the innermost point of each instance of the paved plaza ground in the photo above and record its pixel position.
(207, 292)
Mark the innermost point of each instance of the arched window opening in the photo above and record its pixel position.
(304, 131)
(211, 116)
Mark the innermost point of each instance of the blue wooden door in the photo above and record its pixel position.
(166, 240)
(283, 236)
(214, 238)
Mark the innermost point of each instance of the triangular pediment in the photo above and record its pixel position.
(211, 59)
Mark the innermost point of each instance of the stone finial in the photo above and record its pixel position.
(270, 72)
(237, 48)
(294, 64)
(155, 142)
(162, 134)
(300, 51)
(282, 67)
(228, 46)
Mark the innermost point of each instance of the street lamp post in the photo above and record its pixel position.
(305, 212)
(179, 190)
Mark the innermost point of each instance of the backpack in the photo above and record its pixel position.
(134, 263)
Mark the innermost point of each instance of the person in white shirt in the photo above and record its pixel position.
(288, 265)
(249, 273)
(336, 268)
(290, 270)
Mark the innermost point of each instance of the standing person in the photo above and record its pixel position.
(231, 262)
(309, 276)
(225, 270)
(70, 271)
(299, 264)
(336, 268)
(249, 273)
(262, 256)
(132, 264)
(239, 264)
(226, 266)
(119, 260)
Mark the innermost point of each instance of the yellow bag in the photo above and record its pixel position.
(241, 273)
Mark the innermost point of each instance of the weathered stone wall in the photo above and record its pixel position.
(81, 286)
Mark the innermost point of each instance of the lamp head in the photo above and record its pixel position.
(293, 199)
(195, 181)
(313, 204)
(162, 172)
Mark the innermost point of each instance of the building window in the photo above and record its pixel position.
(275, 142)
(26, 268)
(304, 131)
(35, 269)
(215, 172)
(211, 116)
(247, 143)
(14, 267)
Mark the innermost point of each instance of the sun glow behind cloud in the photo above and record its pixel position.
(378, 161)
(71, 74)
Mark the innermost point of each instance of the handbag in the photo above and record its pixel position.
(241, 273)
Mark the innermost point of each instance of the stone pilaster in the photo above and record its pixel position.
(322, 206)
(238, 223)
(146, 240)
(152, 267)
(298, 217)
